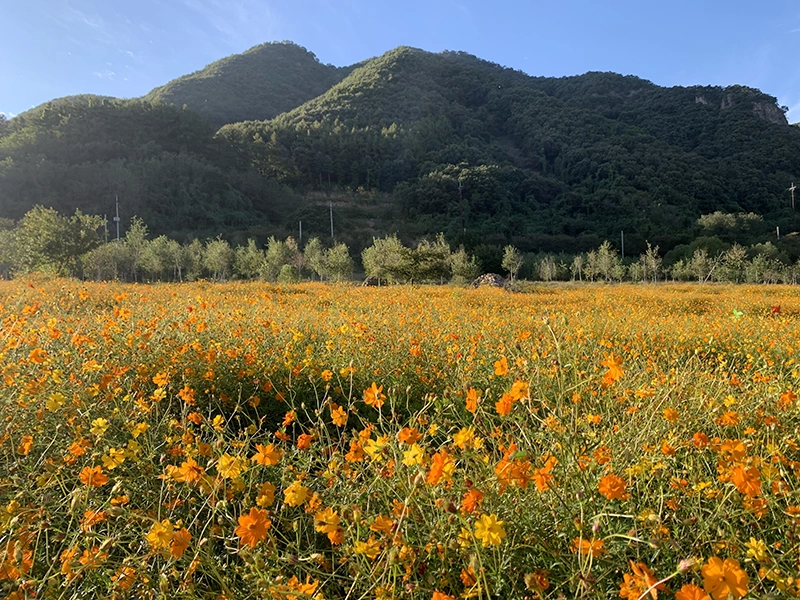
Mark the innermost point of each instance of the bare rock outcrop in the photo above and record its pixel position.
(490, 280)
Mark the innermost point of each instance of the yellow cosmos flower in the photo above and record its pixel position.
(296, 494)
(489, 530)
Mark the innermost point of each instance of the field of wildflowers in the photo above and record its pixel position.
(248, 441)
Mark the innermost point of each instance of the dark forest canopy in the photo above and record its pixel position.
(413, 142)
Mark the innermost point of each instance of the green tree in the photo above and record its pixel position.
(314, 256)
(387, 259)
(338, 263)
(279, 253)
(734, 264)
(576, 268)
(650, 263)
(248, 260)
(432, 260)
(45, 240)
(194, 259)
(288, 274)
(608, 263)
(155, 260)
(512, 261)
(464, 267)
(218, 258)
(135, 242)
(547, 269)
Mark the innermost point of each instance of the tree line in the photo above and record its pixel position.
(77, 246)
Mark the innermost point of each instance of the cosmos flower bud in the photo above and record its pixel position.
(686, 565)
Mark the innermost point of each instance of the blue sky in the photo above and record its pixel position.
(53, 48)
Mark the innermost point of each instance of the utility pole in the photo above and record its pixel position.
(116, 218)
(792, 189)
(300, 243)
(778, 232)
(330, 204)
(105, 227)
(622, 236)
(461, 206)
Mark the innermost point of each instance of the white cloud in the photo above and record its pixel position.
(8, 115)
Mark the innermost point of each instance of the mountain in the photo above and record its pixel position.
(77, 99)
(163, 163)
(258, 84)
(413, 142)
(542, 162)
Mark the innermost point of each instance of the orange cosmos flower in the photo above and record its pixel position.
(543, 477)
(504, 405)
(179, 543)
(373, 396)
(747, 481)
(289, 418)
(266, 455)
(724, 579)
(304, 441)
(25, 445)
(729, 418)
(671, 415)
(382, 524)
(189, 472)
(613, 487)
(188, 395)
(471, 501)
(124, 578)
(409, 435)
(634, 586)
(442, 466)
(296, 494)
(37, 356)
(93, 476)
(92, 518)
(787, 399)
(253, 527)
(691, 592)
(338, 415)
(472, 400)
(519, 390)
(501, 367)
(442, 596)
(593, 548)
(614, 366)
(356, 453)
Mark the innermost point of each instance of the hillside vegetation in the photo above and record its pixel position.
(164, 163)
(258, 84)
(415, 143)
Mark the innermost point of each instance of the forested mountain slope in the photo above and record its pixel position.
(164, 163)
(535, 159)
(258, 84)
(438, 142)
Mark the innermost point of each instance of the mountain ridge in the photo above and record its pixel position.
(449, 141)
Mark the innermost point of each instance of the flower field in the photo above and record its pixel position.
(247, 441)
